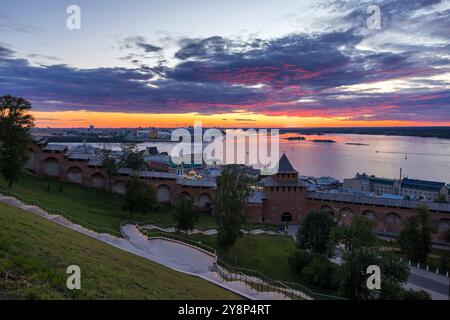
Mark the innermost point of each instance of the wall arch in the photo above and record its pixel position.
(370, 214)
(393, 222)
(329, 210)
(31, 162)
(118, 187)
(98, 181)
(346, 215)
(74, 174)
(163, 194)
(286, 217)
(204, 202)
(443, 225)
(187, 195)
(52, 167)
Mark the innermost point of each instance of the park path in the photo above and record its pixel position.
(208, 232)
(174, 255)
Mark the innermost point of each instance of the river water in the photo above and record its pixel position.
(383, 156)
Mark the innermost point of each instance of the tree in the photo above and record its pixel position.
(139, 196)
(415, 238)
(353, 274)
(358, 243)
(15, 123)
(447, 235)
(357, 235)
(233, 189)
(416, 295)
(185, 214)
(314, 232)
(322, 273)
(300, 259)
(441, 199)
(409, 240)
(111, 166)
(131, 157)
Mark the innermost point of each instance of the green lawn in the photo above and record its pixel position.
(96, 207)
(267, 254)
(34, 255)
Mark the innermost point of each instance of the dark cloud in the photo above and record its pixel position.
(298, 74)
(140, 43)
(41, 56)
(5, 52)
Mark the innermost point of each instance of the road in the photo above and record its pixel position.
(437, 286)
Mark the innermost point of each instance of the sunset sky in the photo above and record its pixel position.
(246, 63)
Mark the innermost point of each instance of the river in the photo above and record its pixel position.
(383, 156)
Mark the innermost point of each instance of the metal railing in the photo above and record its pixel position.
(431, 269)
(262, 283)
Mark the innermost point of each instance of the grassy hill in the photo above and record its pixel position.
(97, 207)
(34, 255)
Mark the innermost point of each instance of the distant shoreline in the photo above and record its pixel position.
(422, 132)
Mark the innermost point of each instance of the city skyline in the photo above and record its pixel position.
(268, 64)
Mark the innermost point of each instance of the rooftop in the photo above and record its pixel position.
(285, 166)
(197, 183)
(379, 201)
(422, 184)
(148, 174)
(381, 180)
(55, 147)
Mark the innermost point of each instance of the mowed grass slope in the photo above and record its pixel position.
(264, 253)
(93, 206)
(35, 254)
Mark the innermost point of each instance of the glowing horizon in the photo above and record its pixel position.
(81, 119)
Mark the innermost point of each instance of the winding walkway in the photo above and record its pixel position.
(208, 232)
(174, 255)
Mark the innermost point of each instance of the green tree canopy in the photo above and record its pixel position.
(415, 238)
(233, 189)
(359, 251)
(139, 196)
(352, 237)
(110, 164)
(15, 123)
(131, 157)
(186, 216)
(314, 232)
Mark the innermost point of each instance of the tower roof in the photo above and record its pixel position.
(285, 166)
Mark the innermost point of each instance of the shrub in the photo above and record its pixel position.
(322, 273)
(301, 259)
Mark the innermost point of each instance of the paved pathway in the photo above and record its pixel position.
(176, 256)
(208, 232)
